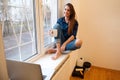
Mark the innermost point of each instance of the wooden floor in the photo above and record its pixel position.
(96, 73)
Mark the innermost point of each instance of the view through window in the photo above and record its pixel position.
(19, 27)
(50, 18)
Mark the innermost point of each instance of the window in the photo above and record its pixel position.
(49, 18)
(18, 29)
(19, 26)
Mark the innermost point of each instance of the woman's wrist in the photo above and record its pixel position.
(65, 43)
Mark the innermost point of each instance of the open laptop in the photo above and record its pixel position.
(23, 71)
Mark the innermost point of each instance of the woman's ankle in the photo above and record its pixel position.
(49, 51)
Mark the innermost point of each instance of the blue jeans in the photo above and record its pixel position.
(60, 38)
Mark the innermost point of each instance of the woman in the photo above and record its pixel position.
(67, 27)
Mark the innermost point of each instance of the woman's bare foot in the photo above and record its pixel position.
(57, 55)
(51, 51)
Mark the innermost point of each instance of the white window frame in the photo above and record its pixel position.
(40, 31)
(39, 22)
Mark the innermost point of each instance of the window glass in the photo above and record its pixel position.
(18, 28)
(50, 18)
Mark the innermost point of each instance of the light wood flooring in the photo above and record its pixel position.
(96, 73)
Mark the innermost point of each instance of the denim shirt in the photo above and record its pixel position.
(64, 27)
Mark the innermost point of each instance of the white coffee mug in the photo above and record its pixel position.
(53, 32)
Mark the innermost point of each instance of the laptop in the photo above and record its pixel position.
(23, 71)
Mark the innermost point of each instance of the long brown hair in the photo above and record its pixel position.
(71, 18)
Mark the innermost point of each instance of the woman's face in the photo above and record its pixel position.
(67, 11)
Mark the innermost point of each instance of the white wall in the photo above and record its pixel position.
(100, 31)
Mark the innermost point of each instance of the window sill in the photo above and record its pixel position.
(49, 66)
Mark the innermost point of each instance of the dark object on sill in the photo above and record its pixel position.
(79, 71)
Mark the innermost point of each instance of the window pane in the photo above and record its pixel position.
(50, 18)
(18, 26)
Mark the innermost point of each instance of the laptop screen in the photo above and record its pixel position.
(23, 71)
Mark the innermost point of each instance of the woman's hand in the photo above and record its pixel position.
(53, 32)
(50, 32)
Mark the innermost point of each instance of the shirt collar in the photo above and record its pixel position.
(64, 20)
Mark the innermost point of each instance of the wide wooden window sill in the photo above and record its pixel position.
(49, 66)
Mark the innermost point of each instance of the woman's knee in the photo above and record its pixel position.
(56, 26)
(78, 43)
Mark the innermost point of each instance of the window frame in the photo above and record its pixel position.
(19, 44)
(39, 28)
